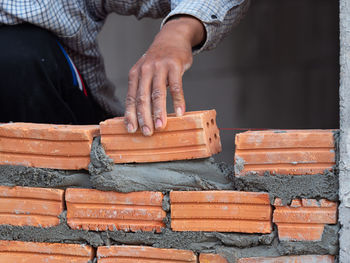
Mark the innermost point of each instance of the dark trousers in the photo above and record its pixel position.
(36, 81)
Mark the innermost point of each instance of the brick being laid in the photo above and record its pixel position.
(221, 211)
(194, 135)
(18, 251)
(126, 254)
(284, 152)
(28, 206)
(46, 145)
(100, 211)
(304, 219)
(290, 259)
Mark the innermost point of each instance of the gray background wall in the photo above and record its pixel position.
(277, 69)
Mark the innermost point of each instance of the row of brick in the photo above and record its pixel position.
(17, 251)
(220, 211)
(285, 152)
(194, 135)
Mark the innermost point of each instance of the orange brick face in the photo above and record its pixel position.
(211, 258)
(304, 219)
(99, 211)
(285, 152)
(26, 206)
(290, 259)
(133, 254)
(222, 211)
(17, 251)
(46, 146)
(195, 135)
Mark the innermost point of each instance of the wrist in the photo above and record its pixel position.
(188, 27)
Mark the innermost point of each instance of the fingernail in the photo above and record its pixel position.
(146, 131)
(159, 123)
(179, 112)
(130, 128)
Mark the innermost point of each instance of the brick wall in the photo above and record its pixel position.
(79, 224)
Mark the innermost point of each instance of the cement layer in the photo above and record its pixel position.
(231, 245)
(202, 174)
(328, 245)
(38, 177)
(289, 187)
(58, 234)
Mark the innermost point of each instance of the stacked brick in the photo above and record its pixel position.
(100, 211)
(30, 206)
(285, 152)
(194, 135)
(304, 219)
(221, 211)
(130, 254)
(17, 251)
(47, 146)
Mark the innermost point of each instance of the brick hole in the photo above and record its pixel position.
(208, 124)
(209, 140)
(212, 121)
(215, 136)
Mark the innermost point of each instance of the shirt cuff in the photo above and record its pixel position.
(211, 13)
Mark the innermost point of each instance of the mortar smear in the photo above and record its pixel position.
(41, 177)
(202, 174)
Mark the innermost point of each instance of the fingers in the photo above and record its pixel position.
(146, 97)
(159, 98)
(176, 91)
(130, 118)
(143, 100)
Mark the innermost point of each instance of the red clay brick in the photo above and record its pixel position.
(223, 211)
(285, 152)
(46, 145)
(211, 258)
(290, 259)
(304, 219)
(133, 254)
(97, 210)
(27, 206)
(30, 252)
(194, 135)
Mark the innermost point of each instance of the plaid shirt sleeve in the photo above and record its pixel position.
(218, 16)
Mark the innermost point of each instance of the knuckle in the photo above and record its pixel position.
(157, 95)
(146, 68)
(175, 88)
(173, 63)
(133, 73)
(141, 101)
(157, 113)
(129, 101)
(158, 65)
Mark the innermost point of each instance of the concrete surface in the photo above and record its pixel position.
(344, 145)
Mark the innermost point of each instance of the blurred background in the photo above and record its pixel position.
(277, 69)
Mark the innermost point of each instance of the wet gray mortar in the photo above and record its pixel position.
(194, 175)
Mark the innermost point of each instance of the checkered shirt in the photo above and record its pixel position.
(78, 22)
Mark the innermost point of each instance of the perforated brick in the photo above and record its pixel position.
(194, 135)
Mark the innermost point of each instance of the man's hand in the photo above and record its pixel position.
(163, 65)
